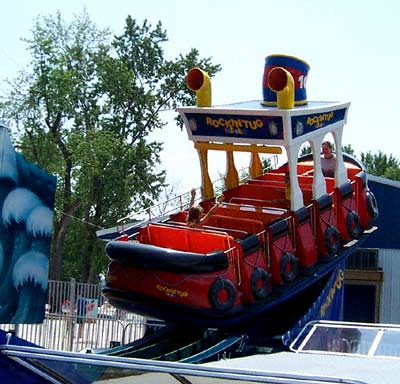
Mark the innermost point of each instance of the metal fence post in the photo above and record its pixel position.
(71, 322)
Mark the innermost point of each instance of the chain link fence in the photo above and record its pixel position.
(78, 317)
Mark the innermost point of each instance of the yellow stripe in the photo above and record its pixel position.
(237, 147)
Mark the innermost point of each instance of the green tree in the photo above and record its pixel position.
(306, 149)
(348, 149)
(382, 165)
(83, 111)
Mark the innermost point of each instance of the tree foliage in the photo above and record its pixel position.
(306, 149)
(83, 111)
(382, 165)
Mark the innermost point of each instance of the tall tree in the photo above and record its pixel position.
(382, 165)
(84, 111)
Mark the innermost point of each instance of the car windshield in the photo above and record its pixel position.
(361, 339)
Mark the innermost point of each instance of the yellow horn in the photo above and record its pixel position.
(281, 81)
(197, 80)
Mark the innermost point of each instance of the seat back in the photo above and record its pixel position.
(237, 223)
(265, 215)
(306, 245)
(185, 239)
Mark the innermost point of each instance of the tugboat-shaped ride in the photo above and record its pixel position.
(274, 236)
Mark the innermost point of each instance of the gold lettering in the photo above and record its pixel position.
(172, 291)
(229, 124)
(337, 285)
(318, 120)
(246, 123)
(234, 125)
(238, 124)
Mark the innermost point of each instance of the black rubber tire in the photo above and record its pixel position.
(372, 205)
(260, 291)
(214, 294)
(354, 225)
(333, 241)
(288, 259)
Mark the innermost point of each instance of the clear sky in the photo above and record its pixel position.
(352, 47)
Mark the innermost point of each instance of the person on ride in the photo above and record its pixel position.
(328, 159)
(195, 217)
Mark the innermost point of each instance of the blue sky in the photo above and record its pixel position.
(352, 48)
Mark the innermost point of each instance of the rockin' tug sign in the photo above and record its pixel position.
(284, 119)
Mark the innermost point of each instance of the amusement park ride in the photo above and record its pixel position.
(277, 235)
(269, 259)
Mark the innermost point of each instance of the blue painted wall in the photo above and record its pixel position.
(387, 195)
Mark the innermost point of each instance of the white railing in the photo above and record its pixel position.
(102, 326)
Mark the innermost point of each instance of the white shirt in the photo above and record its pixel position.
(328, 166)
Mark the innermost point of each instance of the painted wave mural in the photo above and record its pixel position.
(27, 195)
